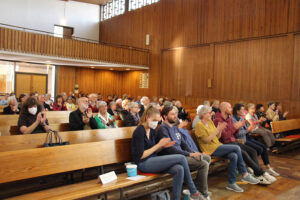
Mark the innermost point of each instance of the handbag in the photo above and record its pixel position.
(54, 139)
(161, 195)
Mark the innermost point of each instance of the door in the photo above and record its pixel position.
(28, 83)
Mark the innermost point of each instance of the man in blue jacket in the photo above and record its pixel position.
(196, 160)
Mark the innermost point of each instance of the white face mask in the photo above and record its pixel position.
(153, 124)
(32, 110)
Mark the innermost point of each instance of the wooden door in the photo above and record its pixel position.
(28, 83)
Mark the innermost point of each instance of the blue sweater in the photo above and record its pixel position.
(242, 133)
(180, 147)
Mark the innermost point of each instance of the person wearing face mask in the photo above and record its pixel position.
(82, 118)
(196, 160)
(144, 151)
(31, 119)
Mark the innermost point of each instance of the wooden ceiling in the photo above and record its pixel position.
(98, 2)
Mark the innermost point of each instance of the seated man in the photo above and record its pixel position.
(103, 118)
(12, 107)
(133, 118)
(272, 112)
(82, 118)
(208, 139)
(145, 101)
(4, 100)
(282, 116)
(228, 137)
(59, 104)
(243, 135)
(182, 114)
(93, 102)
(31, 119)
(196, 160)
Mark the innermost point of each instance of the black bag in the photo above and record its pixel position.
(54, 139)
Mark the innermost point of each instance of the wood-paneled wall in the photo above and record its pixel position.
(249, 49)
(101, 81)
(25, 42)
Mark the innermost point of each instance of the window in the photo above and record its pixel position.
(135, 4)
(112, 8)
(58, 31)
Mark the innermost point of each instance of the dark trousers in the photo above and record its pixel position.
(260, 148)
(250, 158)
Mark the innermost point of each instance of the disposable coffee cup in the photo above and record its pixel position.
(131, 170)
(186, 194)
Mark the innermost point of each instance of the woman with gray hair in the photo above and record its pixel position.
(103, 118)
(12, 107)
(132, 118)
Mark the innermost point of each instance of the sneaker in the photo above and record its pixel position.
(208, 195)
(270, 178)
(272, 172)
(234, 187)
(250, 170)
(197, 196)
(263, 180)
(250, 179)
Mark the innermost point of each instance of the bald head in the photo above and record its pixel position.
(225, 108)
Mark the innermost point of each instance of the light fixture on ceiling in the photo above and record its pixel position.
(128, 69)
(111, 69)
(92, 67)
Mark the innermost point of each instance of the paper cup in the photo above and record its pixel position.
(186, 194)
(131, 170)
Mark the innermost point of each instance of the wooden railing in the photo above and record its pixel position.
(40, 44)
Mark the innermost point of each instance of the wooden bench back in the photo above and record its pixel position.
(30, 141)
(30, 163)
(58, 127)
(285, 125)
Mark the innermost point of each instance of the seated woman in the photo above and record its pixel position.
(70, 105)
(22, 99)
(256, 127)
(59, 103)
(282, 116)
(12, 107)
(31, 119)
(93, 102)
(132, 118)
(272, 112)
(103, 118)
(243, 135)
(260, 112)
(208, 138)
(144, 153)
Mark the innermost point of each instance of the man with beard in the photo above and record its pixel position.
(82, 118)
(196, 160)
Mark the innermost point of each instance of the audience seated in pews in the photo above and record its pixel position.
(144, 151)
(206, 103)
(196, 119)
(215, 106)
(282, 116)
(208, 138)
(133, 117)
(243, 135)
(233, 124)
(109, 99)
(182, 114)
(93, 102)
(49, 101)
(112, 110)
(59, 104)
(145, 101)
(82, 118)
(103, 118)
(69, 104)
(196, 160)
(4, 100)
(125, 109)
(41, 99)
(260, 112)
(32, 119)
(256, 127)
(272, 112)
(22, 99)
(12, 107)
(138, 100)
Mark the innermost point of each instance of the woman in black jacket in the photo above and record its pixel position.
(132, 118)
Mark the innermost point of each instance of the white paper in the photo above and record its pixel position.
(108, 177)
(135, 178)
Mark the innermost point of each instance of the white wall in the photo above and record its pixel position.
(43, 14)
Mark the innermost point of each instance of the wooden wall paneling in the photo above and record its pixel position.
(85, 78)
(294, 16)
(295, 96)
(108, 82)
(66, 79)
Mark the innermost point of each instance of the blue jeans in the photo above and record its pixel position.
(234, 154)
(173, 164)
(260, 148)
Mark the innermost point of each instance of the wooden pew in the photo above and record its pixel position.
(30, 141)
(31, 163)
(58, 127)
